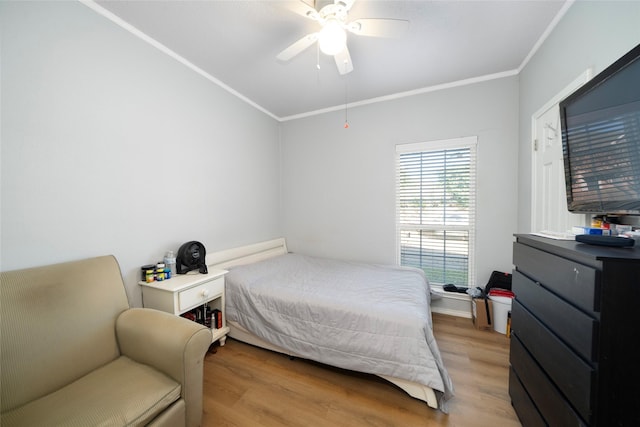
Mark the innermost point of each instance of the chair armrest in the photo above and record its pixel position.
(172, 345)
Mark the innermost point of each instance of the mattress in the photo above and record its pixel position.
(363, 317)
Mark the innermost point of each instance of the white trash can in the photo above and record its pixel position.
(501, 309)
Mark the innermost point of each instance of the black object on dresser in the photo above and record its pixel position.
(575, 325)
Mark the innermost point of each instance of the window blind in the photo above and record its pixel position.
(435, 208)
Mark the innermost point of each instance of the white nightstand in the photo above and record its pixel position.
(184, 292)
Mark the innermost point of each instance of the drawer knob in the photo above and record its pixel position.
(204, 293)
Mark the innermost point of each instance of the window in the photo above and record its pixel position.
(435, 203)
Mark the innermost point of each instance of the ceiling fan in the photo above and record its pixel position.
(332, 36)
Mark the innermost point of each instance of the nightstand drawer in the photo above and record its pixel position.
(571, 280)
(197, 295)
(574, 327)
(574, 377)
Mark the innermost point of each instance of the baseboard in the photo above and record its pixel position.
(452, 312)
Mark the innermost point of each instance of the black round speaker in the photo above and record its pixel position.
(191, 256)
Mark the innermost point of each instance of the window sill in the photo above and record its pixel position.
(437, 292)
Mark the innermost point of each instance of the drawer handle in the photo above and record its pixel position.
(204, 293)
(577, 272)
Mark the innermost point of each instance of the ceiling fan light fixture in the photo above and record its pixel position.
(332, 38)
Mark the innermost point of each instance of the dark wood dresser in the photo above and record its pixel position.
(575, 334)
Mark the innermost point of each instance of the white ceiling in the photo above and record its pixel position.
(235, 43)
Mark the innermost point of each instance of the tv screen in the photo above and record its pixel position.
(601, 141)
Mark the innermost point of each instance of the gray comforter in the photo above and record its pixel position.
(367, 318)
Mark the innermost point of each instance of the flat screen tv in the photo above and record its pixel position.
(601, 141)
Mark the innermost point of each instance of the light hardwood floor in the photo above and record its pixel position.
(245, 386)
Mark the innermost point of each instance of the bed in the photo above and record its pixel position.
(339, 313)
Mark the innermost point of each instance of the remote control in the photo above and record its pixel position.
(614, 241)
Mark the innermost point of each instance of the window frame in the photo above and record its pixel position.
(471, 143)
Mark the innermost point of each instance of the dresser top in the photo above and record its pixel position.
(573, 249)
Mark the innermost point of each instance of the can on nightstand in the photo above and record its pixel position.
(144, 271)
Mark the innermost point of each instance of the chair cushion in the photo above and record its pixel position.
(121, 393)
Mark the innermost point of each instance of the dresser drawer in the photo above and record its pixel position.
(192, 297)
(573, 281)
(573, 377)
(554, 408)
(526, 410)
(574, 327)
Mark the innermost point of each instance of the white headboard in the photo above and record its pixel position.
(246, 254)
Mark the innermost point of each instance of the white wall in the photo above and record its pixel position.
(592, 34)
(111, 147)
(339, 184)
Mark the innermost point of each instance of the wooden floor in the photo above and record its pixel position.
(246, 386)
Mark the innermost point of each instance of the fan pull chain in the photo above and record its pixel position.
(346, 99)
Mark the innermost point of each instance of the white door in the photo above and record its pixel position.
(549, 202)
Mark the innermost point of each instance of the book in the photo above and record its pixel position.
(216, 319)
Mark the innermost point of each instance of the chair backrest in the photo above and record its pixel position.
(58, 324)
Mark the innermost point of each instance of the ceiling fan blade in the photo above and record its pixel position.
(303, 9)
(345, 3)
(297, 47)
(375, 27)
(343, 61)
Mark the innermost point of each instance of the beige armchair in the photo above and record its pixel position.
(74, 354)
